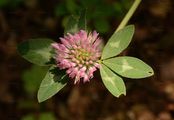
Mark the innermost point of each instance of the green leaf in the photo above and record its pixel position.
(118, 42)
(82, 25)
(129, 67)
(72, 25)
(76, 23)
(53, 82)
(112, 82)
(37, 51)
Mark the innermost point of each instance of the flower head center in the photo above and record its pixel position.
(81, 56)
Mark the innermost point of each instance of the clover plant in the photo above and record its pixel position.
(80, 53)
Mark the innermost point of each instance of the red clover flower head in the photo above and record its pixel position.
(79, 54)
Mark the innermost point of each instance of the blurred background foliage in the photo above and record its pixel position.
(147, 99)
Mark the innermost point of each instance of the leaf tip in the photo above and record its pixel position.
(121, 94)
(39, 101)
(132, 26)
(151, 72)
(39, 98)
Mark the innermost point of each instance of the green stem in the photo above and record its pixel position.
(128, 15)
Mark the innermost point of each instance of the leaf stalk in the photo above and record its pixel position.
(128, 15)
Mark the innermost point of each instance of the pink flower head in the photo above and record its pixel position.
(79, 54)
